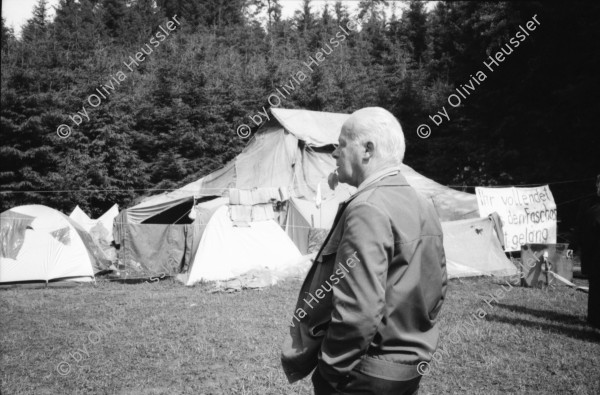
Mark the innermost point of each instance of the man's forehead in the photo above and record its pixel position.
(349, 124)
(343, 134)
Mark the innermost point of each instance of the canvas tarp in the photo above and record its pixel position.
(297, 228)
(315, 128)
(146, 210)
(161, 239)
(473, 249)
(266, 160)
(154, 249)
(294, 151)
(305, 162)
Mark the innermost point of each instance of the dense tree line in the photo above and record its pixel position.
(174, 117)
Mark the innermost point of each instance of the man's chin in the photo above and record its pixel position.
(343, 179)
(337, 177)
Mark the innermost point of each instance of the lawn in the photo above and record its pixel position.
(163, 338)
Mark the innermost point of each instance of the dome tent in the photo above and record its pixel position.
(40, 244)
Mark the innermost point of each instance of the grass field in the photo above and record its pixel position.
(163, 338)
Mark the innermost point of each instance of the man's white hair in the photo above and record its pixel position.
(378, 125)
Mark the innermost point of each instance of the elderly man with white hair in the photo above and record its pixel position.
(365, 316)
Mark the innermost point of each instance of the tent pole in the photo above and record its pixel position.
(321, 216)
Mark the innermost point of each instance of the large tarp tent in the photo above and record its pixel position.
(42, 244)
(292, 153)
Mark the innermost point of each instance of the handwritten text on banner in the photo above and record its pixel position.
(528, 214)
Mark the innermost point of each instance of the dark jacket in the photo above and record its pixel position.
(588, 229)
(588, 232)
(370, 299)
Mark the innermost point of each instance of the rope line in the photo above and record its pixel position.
(574, 200)
(188, 211)
(523, 185)
(220, 189)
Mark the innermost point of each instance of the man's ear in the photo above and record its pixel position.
(369, 150)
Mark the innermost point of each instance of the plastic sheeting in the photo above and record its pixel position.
(12, 227)
(227, 251)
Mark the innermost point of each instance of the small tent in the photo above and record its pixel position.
(102, 226)
(227, 251)
(79, 216)
(473, 248)
(100, 229)
(42, 244)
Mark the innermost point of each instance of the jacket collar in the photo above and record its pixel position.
(373, 178)
(395, 179)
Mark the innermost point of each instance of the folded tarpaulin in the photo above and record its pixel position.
(265, 195)
(262, 212)
(249, 197)
(257, 212)
(239, 213)
(240, 197)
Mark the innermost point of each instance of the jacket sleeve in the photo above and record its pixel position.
(359, 297)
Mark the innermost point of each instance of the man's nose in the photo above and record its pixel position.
(335, 153)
